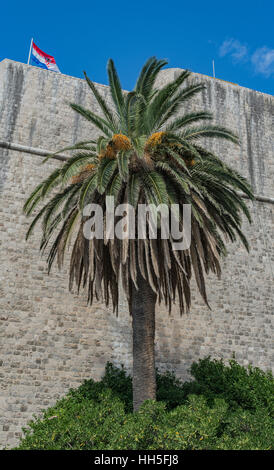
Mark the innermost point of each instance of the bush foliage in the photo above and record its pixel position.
(224, 407)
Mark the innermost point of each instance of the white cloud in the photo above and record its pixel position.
(263, 61)
(235, 49)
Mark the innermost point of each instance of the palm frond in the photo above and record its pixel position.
(87, 189)
(157, 105)
(209, 131)
(172, 106)
(182, 121)
(148, 75)
(102, 103)
(105, 173)
(115, 88)
(122, 159)
(75, 163)
(85, 145)
(99, 122)
(134, 188)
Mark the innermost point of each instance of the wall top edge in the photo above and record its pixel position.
(168, 69)
(31, 67)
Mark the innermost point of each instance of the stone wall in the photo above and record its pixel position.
(49, 339)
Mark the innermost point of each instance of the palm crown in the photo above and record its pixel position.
(147, 152)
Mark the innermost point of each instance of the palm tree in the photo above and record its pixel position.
(148, 152)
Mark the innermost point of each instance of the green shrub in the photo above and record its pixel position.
(115, 379)
(170, 390)
(224, 407)
(75, 424)
(190, 426)
(246, 430)
(249, 388)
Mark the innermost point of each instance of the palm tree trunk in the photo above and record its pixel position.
(143, 303)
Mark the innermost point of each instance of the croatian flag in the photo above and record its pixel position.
(41, 59)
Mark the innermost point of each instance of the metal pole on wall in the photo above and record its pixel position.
(30, 50)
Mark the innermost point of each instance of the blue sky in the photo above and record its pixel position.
(82, 35)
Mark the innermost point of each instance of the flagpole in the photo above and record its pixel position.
(30, 50)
